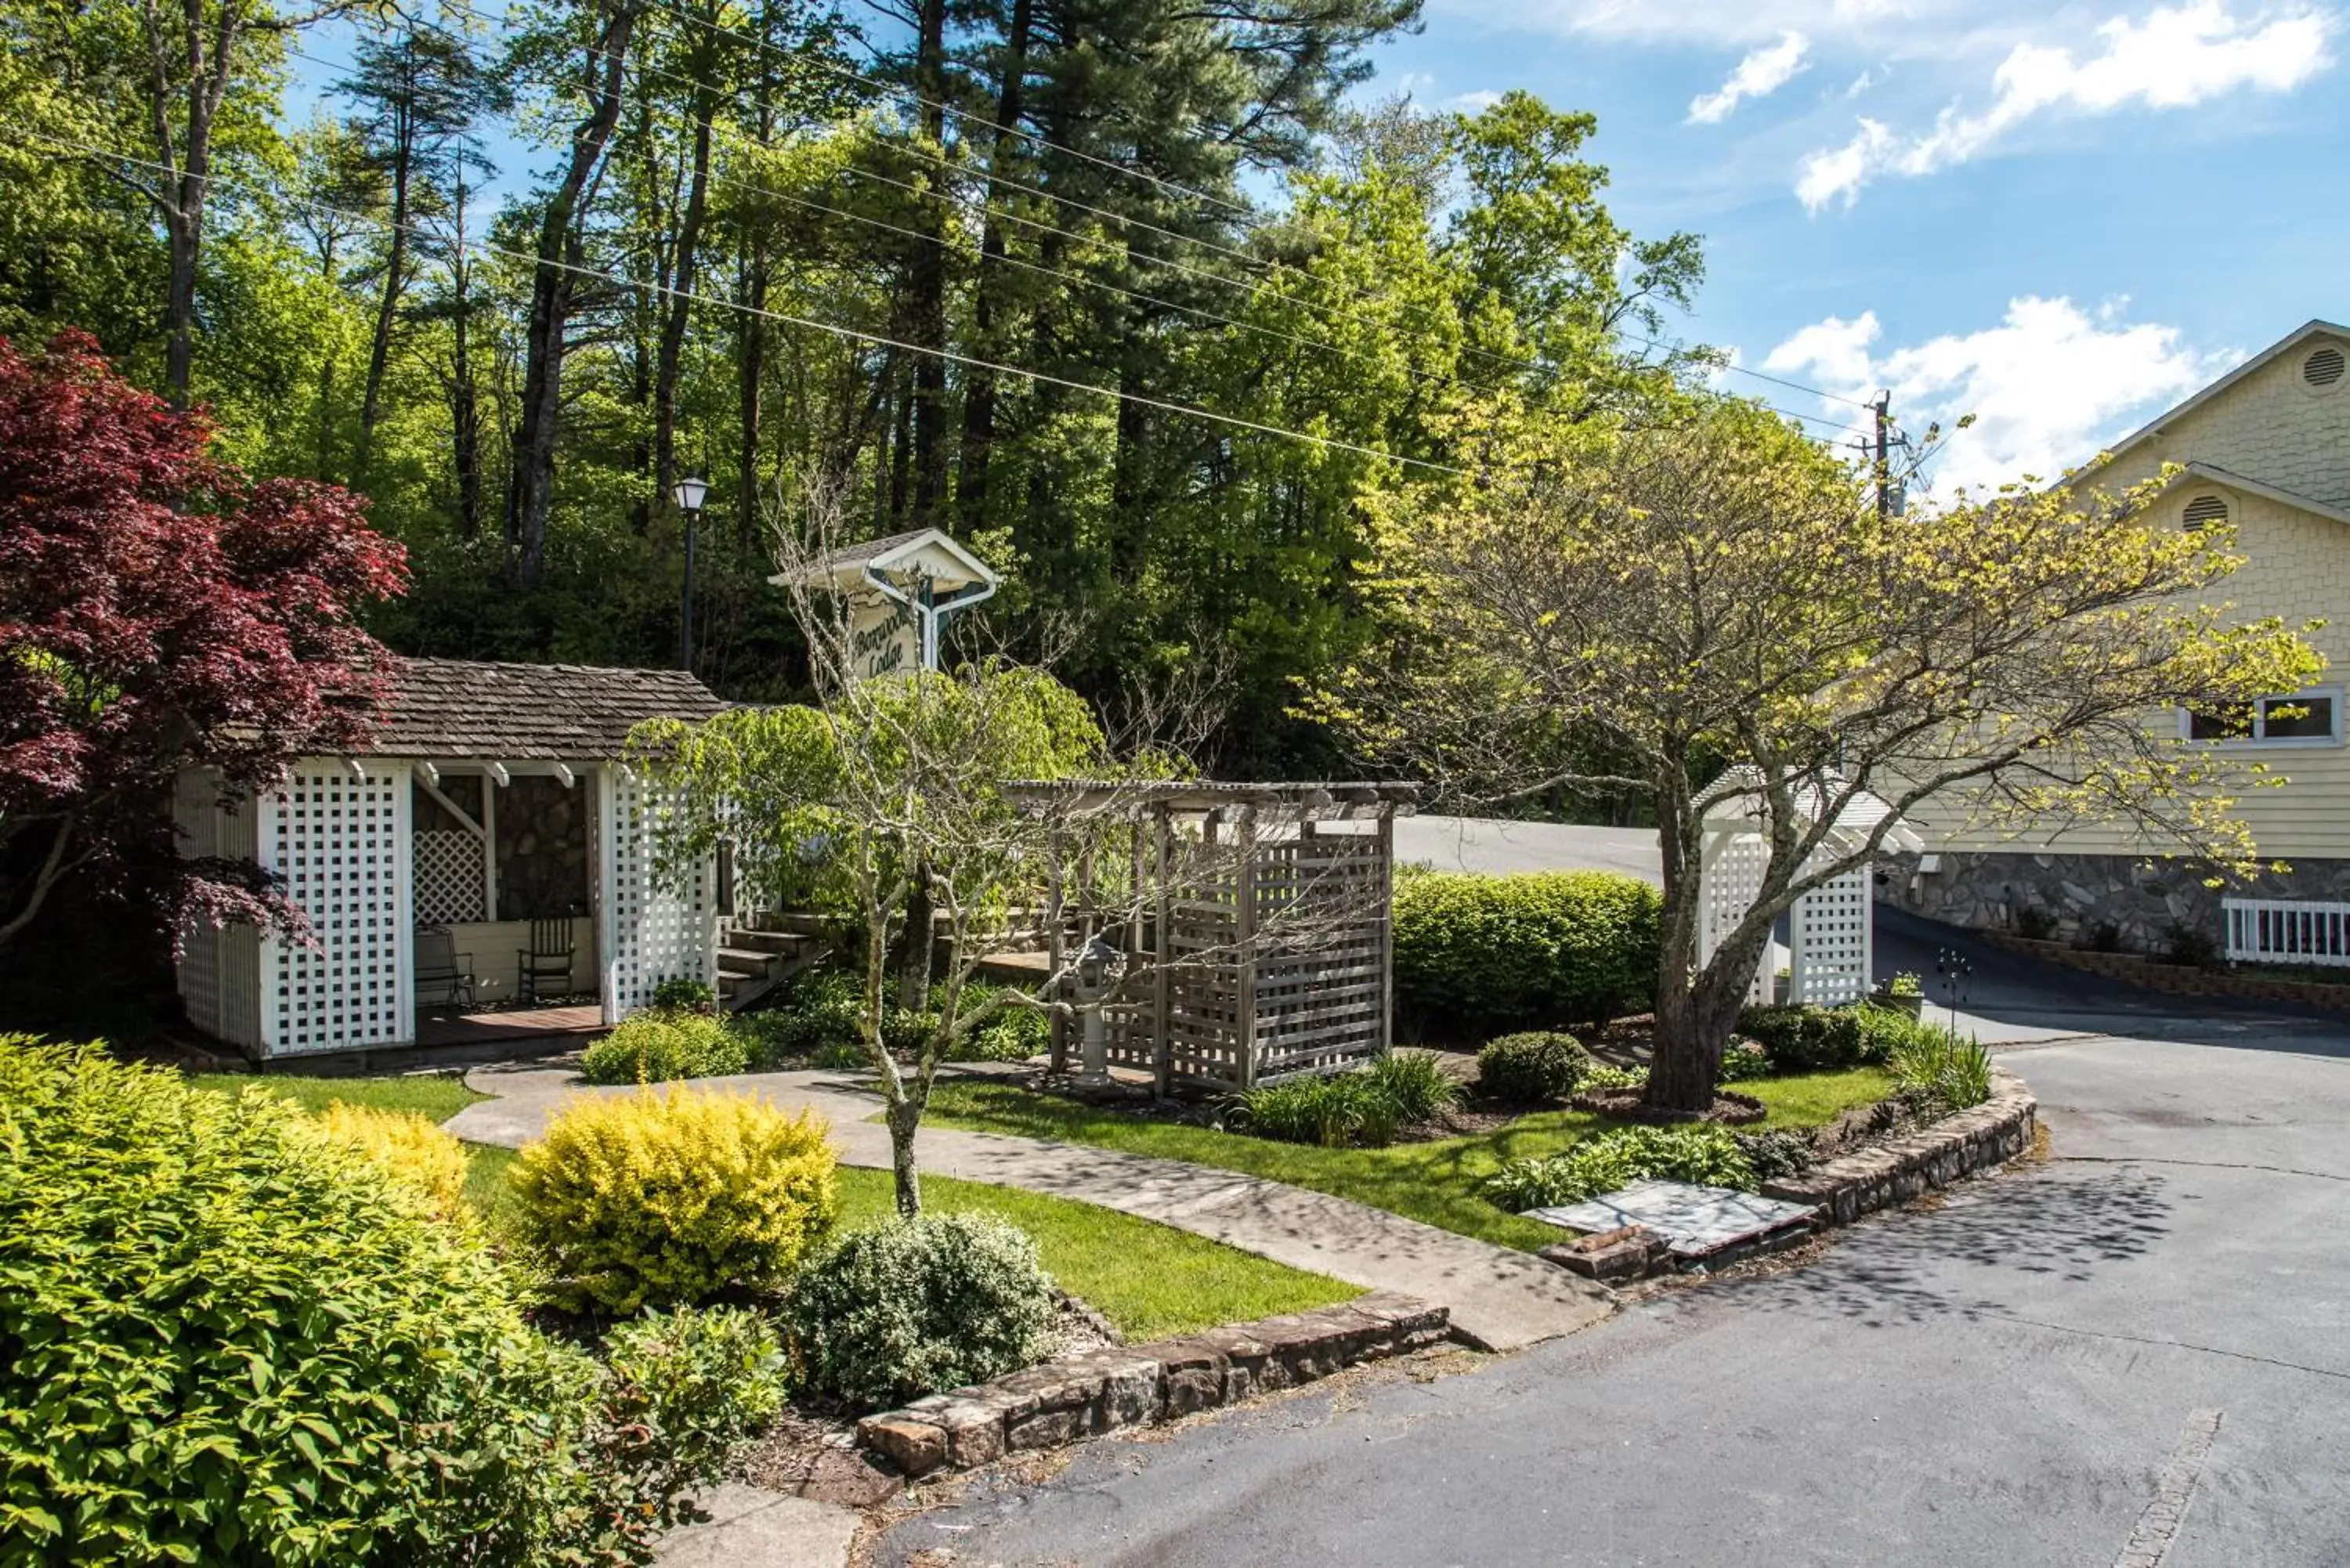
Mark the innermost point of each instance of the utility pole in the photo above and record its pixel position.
(1883, 408)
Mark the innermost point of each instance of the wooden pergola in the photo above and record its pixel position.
(1255, 922)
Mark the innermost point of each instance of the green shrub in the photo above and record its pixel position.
(421, 1153)
(1603, 1076)
(915, 1306)
(1416, 1084)
(656, 1047)
(225, 1338)
(1777, 1153)
(1802, 1039)
(1475, 955)
(1533, 1069)
(1742, 1063)
(683, 1389)
(679, 993)
(661, 1198)
(1700, 1152)
(1940, 1073)
(1012, 1036)
(1334, 1111)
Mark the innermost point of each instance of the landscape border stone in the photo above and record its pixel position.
(2177, 979)
(1069, 1397)
(1987, 1135)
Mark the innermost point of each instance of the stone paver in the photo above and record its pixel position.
(753, 1529)
(1500, 1299)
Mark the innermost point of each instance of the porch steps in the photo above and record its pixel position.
(756, 959)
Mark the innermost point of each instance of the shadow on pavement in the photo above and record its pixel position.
(1950, 1261)
(2017, 988)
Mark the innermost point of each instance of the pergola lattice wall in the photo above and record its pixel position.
(651, 931)
(1831, 953)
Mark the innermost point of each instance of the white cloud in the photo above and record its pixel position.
(2177, 58)
(1476, 102)
(2048, 386)
(1712, 22)
(1762, 72)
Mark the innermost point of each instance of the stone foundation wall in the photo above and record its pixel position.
(1956, 1147)
(2142, 898)
(1075, 1397)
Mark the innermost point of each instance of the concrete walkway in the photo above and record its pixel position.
(1500, 1299)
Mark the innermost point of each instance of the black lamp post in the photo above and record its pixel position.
(688, 494)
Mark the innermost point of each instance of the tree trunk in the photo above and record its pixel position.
(905, 1119)
(914, 963)
(464, 414)
(677, 307)
(979, 386)
(184, 230)
(926, 289)
(530, 496)
(751, 369)
(395, 279)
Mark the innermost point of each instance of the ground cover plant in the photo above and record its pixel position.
(1698, 1152)
(660, 1044)
(1436, 1182)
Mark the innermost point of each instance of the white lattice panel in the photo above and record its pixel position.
(341, 842)
(450, 882)
(1731, 879)
(1828, 946)
(651, 931)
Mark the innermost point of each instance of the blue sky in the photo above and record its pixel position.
(2061, 218)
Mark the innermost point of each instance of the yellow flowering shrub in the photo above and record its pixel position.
(664, 1197)
(425, 1156)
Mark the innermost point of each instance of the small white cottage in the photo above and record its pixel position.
(488, 852)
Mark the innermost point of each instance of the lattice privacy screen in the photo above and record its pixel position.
(449, 881)
(1730, 881)
(341, 842)
(652, 931)
(1829, 949)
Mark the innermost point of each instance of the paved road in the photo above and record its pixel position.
(2139, 1348)
(1486, 845)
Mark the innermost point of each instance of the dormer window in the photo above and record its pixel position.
(2202, 511)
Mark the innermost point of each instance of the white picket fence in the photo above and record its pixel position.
(2280, 931)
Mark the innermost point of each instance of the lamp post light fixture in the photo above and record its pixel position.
(1099, 968)
(689, 494)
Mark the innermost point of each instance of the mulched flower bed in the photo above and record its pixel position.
(1729, 1109)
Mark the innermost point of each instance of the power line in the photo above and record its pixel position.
(788, 319)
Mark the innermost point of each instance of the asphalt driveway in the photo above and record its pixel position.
(2137, 1352)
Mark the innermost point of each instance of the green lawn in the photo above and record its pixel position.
(1149, 1279)
(1435, 1182)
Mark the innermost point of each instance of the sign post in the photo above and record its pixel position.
(900, 590)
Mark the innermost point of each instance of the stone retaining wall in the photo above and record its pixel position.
(1075, 1397)
(2178, 980)
(1956, 1147)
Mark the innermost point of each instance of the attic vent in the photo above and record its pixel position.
(2204, 511)
(2324, 368)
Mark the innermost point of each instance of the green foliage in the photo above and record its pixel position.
(2036, 923)
(1940, 1073)
(1416, 1084)
(1533, 1069)
(1535, 952)
(661, 1198)
(1700, 1153)
(682, 993)
(1802, 1039)
(1014, 1034)
(1906, 984)
(655, 1047)
(227, 1338)
(1743, 1063)
(1602, 1076)
(683, 1390)
(918, 1305)
(1779, 1151)
(1333, 1110)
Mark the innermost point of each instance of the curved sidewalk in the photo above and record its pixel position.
(1499, 1298)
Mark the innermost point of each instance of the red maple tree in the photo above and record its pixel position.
(160, 611)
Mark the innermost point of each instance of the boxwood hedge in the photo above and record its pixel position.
(1482, 955)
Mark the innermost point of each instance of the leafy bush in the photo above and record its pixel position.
(1906, 984)
(1776, 1153)
(1939, 1073)
(1416, 1084)
(679, 993)
(1334, 1111)
(1012, 1036)
(1533, 1069)
(914, 1306)
(683, 1388)
(2035, 923)
(1603, 1077)
(1697, 1152)
(1740, 1064)
(227, 1339)
(1802, 1039)
(413, 1148)
(656, 1047)
(1478, 954)
(666, 1197)
(2190, 945)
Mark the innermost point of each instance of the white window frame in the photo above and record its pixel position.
(2257, 740)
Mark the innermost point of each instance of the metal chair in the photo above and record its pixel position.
(544, 968)
(440, 965)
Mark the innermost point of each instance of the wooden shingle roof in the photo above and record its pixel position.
(555, 712)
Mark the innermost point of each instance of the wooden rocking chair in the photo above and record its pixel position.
(544, 968)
